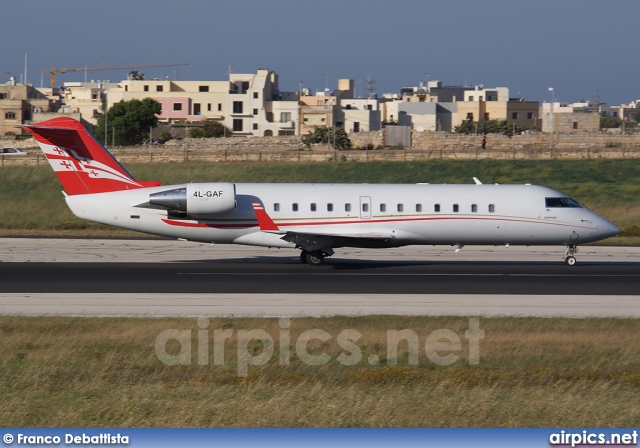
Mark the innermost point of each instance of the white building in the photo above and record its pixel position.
(257, 107)
(85, 98)
(360, 114)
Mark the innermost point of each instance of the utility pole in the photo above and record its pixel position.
(106, 127)
(371, 86)
(551, 120)
(25, 67)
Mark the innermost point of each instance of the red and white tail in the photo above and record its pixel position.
(81, 163)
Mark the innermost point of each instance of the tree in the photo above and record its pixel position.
(608, 122)
(320, 134)
(211, 129)
(488, 127)
(128, 122)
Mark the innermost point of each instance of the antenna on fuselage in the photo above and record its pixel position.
(477, 181)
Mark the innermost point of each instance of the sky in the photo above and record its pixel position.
(577, 47)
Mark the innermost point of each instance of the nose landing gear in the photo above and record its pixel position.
(569, 257)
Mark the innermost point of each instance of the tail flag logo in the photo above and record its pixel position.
(67, 160)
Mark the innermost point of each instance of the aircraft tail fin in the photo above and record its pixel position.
(81, 163)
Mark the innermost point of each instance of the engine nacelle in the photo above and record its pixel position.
(198, 198)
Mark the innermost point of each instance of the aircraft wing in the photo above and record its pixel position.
(318, 241)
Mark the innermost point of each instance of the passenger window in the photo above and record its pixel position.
(492, 208)
(347, 207)
(365, 207)
(329, 207)
(295, 207)
(400, 208)
(383, 208)
(313, 207)
(419, 208)
(456, 207)
(474, 208)
(276, 207)
(436, 208)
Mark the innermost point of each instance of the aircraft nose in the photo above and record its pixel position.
(612, 230)
(608, 229)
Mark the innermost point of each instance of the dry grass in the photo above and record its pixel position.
(532, 372)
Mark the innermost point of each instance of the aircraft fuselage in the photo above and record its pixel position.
(398, 214)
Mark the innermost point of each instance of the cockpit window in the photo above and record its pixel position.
(562, 202)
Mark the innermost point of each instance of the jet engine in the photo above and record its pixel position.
(197, 198)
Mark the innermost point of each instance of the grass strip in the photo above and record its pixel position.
(532, 372)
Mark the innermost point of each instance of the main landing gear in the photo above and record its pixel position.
(313, 258)
(569, 258)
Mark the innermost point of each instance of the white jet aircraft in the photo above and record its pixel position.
(315, 218)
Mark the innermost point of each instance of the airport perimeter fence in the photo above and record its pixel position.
(174, 155)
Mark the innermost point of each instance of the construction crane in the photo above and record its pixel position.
(54, 71)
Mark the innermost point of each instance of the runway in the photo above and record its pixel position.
(341, 277)
(170, 278)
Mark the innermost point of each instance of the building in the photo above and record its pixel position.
(564, 117)
(18, 104)
(569, 118)
(481, 104)
(629, 111)
(257, 107)
(86, 99)
(523, 113)
(324, 108)
(447, 94)
(248, 104)
(360, 114)
(180, 100)
(453, 105)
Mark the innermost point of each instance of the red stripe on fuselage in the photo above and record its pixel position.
(364, 221)
(216, 225)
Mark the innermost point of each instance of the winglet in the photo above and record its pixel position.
(264, 220)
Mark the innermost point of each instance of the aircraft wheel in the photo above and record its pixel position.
(303, 256)
(315, 258)
(570, 261)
